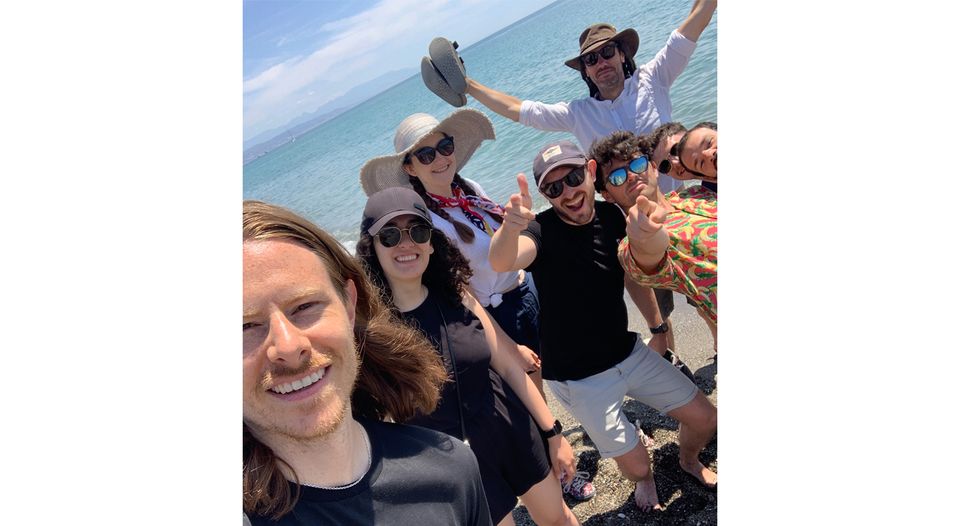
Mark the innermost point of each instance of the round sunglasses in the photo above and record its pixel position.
(427, 154)
(607, 52)
(390, 236)
(619, 176)
(573, 179)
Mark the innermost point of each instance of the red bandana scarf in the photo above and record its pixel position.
(465, 202)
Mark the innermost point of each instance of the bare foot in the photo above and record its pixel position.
(645, 496)
(701, 473)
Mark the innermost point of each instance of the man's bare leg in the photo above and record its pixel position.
(698, 424)
(670, 343)
(635, 466)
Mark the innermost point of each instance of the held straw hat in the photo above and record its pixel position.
(595, 36)
(468, 127)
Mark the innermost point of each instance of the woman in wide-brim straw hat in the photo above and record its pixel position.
(429, 156)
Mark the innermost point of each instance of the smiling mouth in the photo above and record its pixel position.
(406, 258)
(302, 383)
(576, 203)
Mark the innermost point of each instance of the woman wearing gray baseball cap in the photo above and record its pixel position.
(429, 157)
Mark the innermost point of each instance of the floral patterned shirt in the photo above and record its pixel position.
(690, 267)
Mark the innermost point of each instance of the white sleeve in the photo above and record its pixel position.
(546, 117)
(670, 61)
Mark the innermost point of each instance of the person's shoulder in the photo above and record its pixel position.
(409, 439)
(609, 212)
(545, 216)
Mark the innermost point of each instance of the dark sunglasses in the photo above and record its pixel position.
(427, 154)
(619, 176)
(665, 166)
(390, 236)
(607, 52)
(573, 179)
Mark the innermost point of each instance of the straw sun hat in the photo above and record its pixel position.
(468, 127)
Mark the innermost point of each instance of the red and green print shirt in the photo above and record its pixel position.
(690, 267)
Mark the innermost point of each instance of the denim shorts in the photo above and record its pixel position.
(519, 314)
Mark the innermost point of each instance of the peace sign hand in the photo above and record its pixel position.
(517, 214)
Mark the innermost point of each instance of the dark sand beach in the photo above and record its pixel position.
(686, 502)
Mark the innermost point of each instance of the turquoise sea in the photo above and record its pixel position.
(318, 174)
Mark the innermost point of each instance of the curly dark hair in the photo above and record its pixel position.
(620, 146)
(666, 130)
(447, 274)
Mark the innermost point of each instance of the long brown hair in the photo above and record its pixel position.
(400, 372)
(464, 231)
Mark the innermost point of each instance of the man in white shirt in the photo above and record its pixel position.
(622, 97)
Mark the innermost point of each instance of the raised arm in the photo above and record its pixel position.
(508, 249)
(697, 20)
(505, 360)
(499, 102)
(647, 237)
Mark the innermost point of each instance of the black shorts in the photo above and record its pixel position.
(510, 451)
(519, 314)
(664, 301)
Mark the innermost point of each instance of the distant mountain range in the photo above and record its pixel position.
(271, 139)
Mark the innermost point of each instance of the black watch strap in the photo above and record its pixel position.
(660, 329)
(554, 431)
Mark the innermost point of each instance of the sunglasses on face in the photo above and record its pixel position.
(427, 154)
(665, 165)
(619, 176)
(573, 179)
(390, 236)
(607, 52)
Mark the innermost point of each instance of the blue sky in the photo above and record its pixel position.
(298, 55)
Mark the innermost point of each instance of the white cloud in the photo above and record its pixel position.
(393, 32)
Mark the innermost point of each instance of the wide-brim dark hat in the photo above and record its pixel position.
(595, 36)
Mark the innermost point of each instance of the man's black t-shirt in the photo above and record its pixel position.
(583, 319)
(417, 476)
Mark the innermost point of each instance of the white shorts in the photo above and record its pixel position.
(597, 400)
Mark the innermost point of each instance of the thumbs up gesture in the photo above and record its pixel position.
(517, 214)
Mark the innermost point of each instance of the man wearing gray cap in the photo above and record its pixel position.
(590, 360)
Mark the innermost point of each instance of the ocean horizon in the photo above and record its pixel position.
(317, 175)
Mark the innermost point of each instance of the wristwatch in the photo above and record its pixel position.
(554, 431)
(660, 329)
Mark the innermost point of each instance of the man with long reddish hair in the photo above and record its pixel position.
(324, 361)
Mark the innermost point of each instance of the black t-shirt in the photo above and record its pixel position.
(417, 476)
(583, 319)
